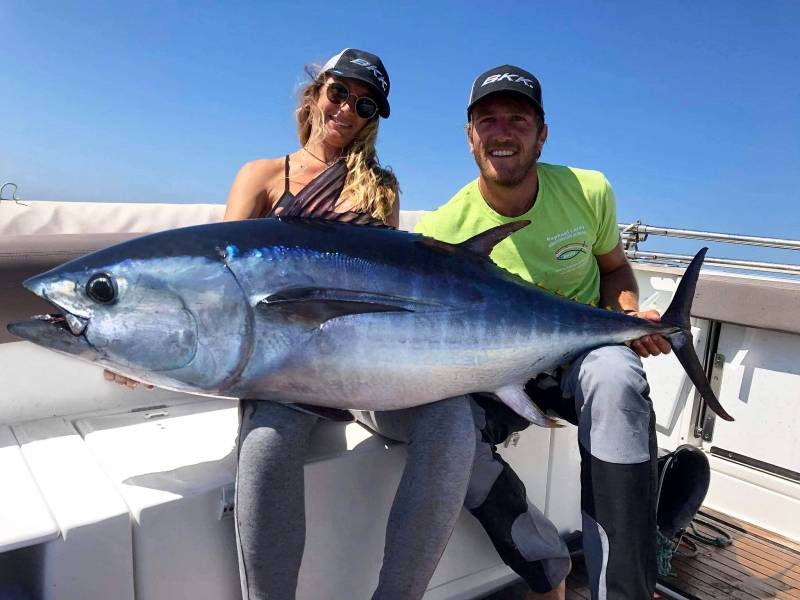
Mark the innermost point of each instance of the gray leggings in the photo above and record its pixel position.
(270, 509)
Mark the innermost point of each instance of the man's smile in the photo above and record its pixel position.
(502, 153)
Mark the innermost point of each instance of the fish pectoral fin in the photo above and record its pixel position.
(363, 297)
(314, 310)
(516, 399)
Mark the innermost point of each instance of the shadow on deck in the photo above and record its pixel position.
(758, 564)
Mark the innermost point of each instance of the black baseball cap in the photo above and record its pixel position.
(507, 78)
(366, 67)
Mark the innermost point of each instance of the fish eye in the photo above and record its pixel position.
(101, 288)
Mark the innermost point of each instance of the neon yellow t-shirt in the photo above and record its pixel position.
(573, 219)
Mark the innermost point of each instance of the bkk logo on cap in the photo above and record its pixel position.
(511, 77)
(372, 69)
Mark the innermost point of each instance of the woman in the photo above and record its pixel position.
(337, 118)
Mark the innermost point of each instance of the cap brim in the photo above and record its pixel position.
(380, 99)
(535, 104)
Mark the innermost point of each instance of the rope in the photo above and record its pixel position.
(664, 550)
(720, 541)
(667, 548)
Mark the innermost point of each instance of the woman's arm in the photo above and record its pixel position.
(252, 193)
(394, 217)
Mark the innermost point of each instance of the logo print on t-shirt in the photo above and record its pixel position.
(570, 251)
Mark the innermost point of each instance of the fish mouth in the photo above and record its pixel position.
(63, 319)
(55, 331)
(61, 331)
(66, 321)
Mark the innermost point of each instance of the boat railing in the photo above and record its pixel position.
(636, 233)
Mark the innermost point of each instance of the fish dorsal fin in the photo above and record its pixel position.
(318, 199)
(484, 242)
(481, 244)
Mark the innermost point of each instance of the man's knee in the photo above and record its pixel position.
(610, 369)
(523, 537)
(615, 411)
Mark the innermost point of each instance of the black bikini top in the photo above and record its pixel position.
(317, 200)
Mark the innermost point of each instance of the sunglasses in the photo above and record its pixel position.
(339, 93)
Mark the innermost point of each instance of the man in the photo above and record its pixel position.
(572, 246)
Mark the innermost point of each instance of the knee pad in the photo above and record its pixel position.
(613, 371)
(502, 508)
(617, 426)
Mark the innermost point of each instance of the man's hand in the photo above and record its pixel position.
(650, 345)
(122, 380)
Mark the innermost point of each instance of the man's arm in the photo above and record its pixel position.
(618, 291)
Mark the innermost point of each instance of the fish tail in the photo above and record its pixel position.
(682, 341)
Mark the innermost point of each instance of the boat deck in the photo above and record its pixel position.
(758, 564)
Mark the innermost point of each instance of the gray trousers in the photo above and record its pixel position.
(270, 507)
(605, 393)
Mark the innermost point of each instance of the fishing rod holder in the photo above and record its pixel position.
(631, 235)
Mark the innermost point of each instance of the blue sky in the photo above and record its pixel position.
(692, 109)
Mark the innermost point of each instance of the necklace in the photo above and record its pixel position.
(325, 162)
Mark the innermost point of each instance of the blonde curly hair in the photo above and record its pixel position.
(372, 189)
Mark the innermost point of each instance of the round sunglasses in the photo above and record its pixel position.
(339, 93)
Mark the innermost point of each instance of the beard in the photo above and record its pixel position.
(510, 176)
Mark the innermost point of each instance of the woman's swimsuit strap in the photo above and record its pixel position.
(287, 197)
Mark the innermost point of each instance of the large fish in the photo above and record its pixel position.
(332, 314)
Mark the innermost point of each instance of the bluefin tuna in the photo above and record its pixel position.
(300, 310)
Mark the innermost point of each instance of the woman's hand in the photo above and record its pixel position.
(122, 380)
